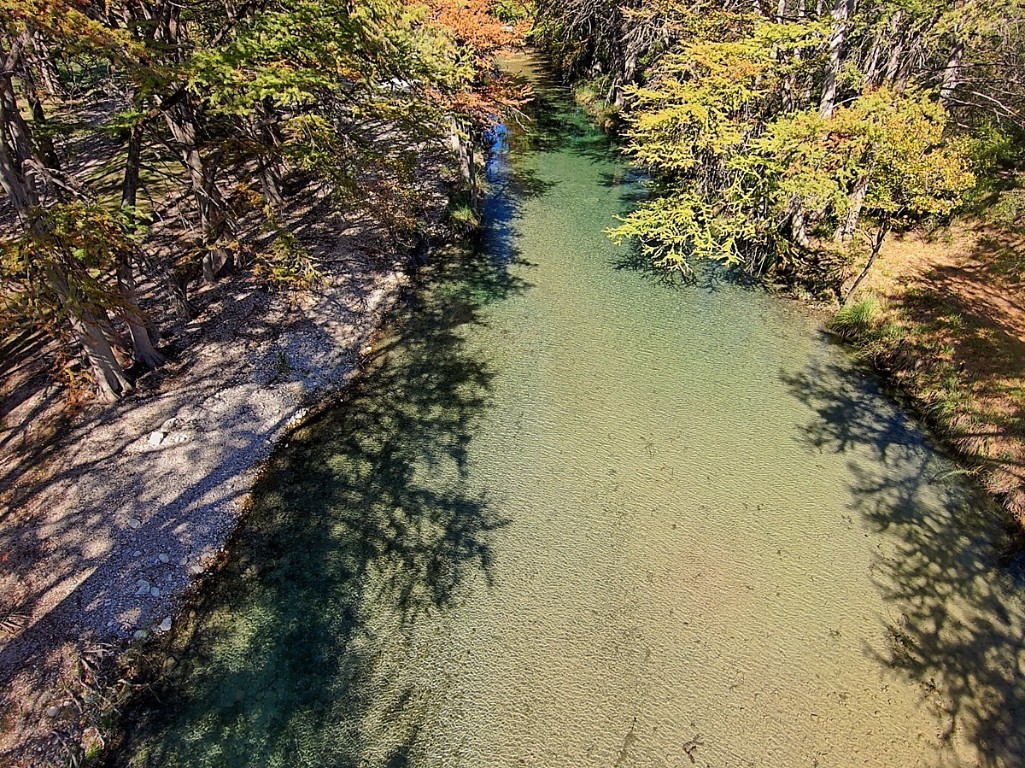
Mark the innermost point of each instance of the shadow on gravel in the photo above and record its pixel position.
(71, 562)
(365, 525)
(952, 573)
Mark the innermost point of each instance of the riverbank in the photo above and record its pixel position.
(136, 501)
(945, 325)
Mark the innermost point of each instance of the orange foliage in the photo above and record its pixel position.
(472, 23)
(473, 26)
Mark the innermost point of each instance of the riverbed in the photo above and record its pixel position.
(574, 514)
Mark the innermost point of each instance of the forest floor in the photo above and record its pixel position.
(952, 338)
(109, 515)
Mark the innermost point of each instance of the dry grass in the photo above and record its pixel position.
(954, 298)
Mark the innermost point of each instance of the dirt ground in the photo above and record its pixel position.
(110, 515)
(957, 296)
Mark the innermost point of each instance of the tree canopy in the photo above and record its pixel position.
(108, 110)
(778, 138)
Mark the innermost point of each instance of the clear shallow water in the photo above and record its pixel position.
(573, 517)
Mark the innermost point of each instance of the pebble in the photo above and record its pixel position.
(143, 588)
(155, 592)
(163, 558)
(140, 634)
(165, 625)
(156, 438)
(53, 711)
(134, 523)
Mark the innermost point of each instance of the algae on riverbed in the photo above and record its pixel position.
(575, 518)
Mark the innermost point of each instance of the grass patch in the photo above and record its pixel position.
(463, 217)
(857, 321)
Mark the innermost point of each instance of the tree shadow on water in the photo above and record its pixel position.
(366, 528)
(945, 566)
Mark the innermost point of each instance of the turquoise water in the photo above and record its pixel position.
(574, 516)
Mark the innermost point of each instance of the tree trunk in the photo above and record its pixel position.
(877, 244)
(871, 64)
(19, 192)
(143, 350)
(951, 74)
(28, 84)
(46, 68)
(89, 325)
(461, 142)
(799, 225)
(837, 41)
(472, 169)
(181, 120)
(270, 163)
(17, 154)
(896, 69)
(845, 231)
(15, 140)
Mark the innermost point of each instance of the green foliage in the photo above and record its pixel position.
(1008, 210)
(463, 217)
(745, 173)
(513, 11)
(590, 96)
(704, 100)
(894, 142)
(247, 99)
(57, 267)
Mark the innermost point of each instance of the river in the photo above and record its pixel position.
(576, 516)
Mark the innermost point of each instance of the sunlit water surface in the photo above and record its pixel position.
(576, 517)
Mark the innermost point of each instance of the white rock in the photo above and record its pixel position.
(156, 438)
(53, 711)
(134, 523)
(165, 625)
